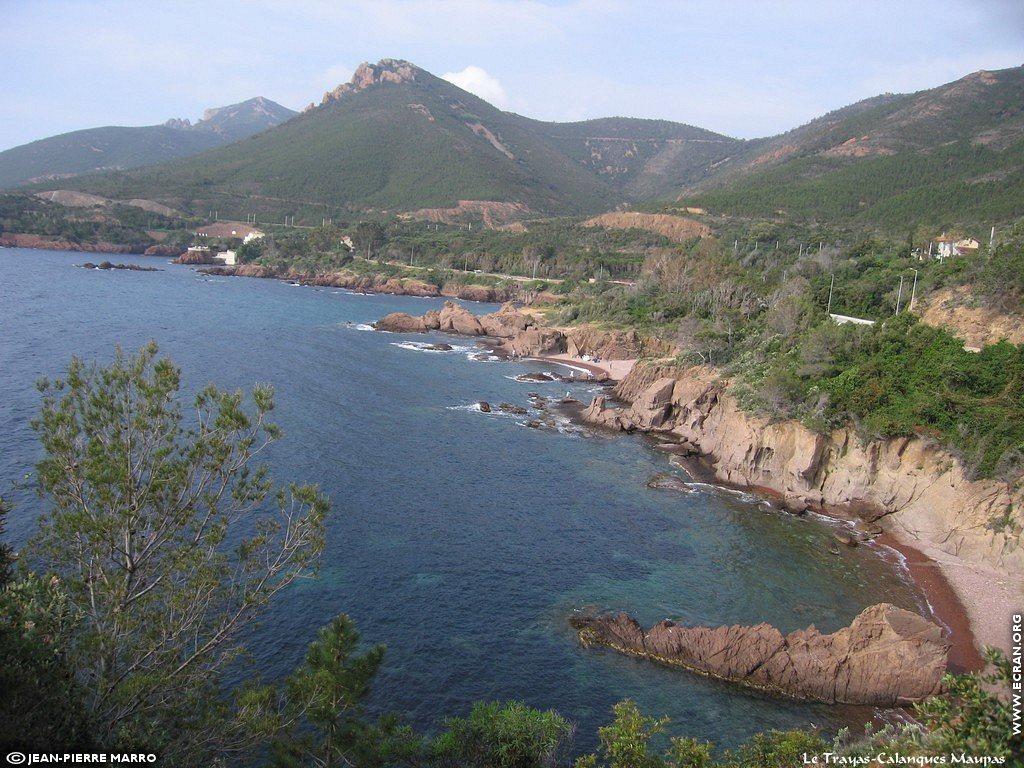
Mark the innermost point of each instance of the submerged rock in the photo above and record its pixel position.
(848, 538)
(669, 482)
(886, 657)
(537, 376)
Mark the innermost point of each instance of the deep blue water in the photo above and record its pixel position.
(462, 540)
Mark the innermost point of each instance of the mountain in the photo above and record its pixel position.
(398, 138)
(947, 154)
(115, 148)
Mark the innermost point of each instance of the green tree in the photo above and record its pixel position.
(320, 719)
(975, 713)
(503, 735)
(41, 705)
(164, 543)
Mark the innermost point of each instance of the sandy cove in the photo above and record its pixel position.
(610, 370)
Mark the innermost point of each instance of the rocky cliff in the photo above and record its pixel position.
(923, 493)
(886, 657)
(367, 75)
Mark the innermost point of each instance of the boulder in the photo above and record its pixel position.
(537, 341)
(848, 538)
(536, 376)
(484, 406)
(886, 657)
(795, 505)
(506, 322)
(457, 319)
(401, 322)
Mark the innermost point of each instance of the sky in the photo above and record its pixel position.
(745, 68)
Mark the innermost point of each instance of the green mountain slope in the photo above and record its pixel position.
(397, 138)
(948, 154)
(115, 147)
(644, 159)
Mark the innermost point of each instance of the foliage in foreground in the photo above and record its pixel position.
(162, 543)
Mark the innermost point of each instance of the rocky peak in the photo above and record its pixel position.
(179, 122)
(366, 75)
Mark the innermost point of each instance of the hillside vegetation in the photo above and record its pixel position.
(953, 153)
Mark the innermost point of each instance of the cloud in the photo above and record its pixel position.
(477, 81)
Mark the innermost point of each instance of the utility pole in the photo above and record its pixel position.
(899, 295)
(831, 285)
(913, 292)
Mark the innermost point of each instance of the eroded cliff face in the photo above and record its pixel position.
(922, 492)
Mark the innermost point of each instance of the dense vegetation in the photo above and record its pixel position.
(758, 312)
(119, 620)
(962, 182)
(549, 249)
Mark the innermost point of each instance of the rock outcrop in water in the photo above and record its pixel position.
(523, 335)
(888, 656)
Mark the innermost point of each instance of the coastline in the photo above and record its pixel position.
(983, 596)
(949, 586)
(968, 599)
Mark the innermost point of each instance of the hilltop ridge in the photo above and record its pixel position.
(112, 148)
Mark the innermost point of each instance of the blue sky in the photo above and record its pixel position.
(741, 67)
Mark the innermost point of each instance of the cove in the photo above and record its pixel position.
(461, 540)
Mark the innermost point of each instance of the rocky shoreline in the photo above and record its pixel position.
(394, 286)
(521, 335)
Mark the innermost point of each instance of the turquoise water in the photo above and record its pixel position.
(462, 540)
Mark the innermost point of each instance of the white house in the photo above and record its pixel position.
(951, 246)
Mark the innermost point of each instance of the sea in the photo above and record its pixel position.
(463, 541)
